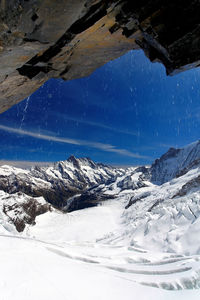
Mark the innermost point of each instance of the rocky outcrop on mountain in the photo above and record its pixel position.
(134, 199)
(128, 183)
(42, 39)
(175, 162)
(194, 164)
(192, 185)
(87, 199)
(20, 209)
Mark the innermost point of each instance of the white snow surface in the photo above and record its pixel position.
(163, 220)
(104, 253)
(66, 256)
(150, 251)
(6, 170)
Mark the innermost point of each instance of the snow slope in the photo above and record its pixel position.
(165, 218)
(143, 243)
(33, 270)
(66, 256)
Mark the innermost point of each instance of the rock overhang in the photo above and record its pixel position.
(43, 39)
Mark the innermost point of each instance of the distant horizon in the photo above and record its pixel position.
(32, 163)
(28, 163)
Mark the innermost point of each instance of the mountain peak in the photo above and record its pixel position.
(72, 159)
(81, 161)
(174, 162)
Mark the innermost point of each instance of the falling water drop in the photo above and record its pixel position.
(24, 112)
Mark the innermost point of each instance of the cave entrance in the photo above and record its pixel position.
(127, 112)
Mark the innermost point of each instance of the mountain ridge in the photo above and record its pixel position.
(174, 162)
(78, 183)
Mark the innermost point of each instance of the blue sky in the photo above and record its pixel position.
(127, 112)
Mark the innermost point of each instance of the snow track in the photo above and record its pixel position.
(88, 241)
(34, 268)
(150, 250)
(173, 273)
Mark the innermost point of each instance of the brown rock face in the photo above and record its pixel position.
(41, 39)
(22, 209)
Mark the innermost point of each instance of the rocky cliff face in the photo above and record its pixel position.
(175, 163)
(41, 39)
(19, 210)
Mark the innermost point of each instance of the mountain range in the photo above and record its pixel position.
(130, 230)
(79, 183)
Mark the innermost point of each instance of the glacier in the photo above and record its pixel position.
(139, 237)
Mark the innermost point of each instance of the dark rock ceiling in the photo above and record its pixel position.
(42, 39)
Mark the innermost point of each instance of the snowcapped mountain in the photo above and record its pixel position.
(79, 183)
(139, 229)
(60, 182)
(175, 162)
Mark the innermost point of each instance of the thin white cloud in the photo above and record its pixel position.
(97, 145)
(24, 164)
(96, 124)
(163, 145)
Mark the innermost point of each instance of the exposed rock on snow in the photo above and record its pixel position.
(20, 209)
